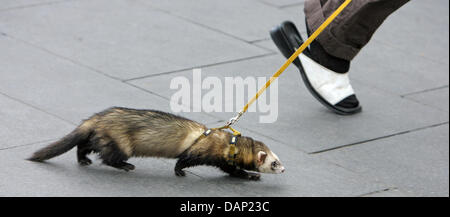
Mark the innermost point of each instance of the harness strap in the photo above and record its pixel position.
(232, 153)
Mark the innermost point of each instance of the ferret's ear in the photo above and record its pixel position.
(261, 157)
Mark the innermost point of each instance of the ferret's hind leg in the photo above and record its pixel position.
(114, 157)
(82, 151)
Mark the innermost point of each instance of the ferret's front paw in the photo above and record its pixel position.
(127, 167)
(85, 162)
(180, 173)
(254, 176)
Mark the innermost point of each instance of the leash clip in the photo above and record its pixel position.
(234, 119)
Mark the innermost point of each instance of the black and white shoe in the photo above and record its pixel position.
(325, 76)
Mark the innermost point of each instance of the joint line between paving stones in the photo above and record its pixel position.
(379, 191)
(27, 144)
(197, 23)
(291, 5)
(201, 66)
(268, 4)
(37, 108)
(282, 6)
(259, 40)
(209, 28)
(379, 138)
(424, 91)
(34, 5)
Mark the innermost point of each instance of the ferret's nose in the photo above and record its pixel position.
(282, 171)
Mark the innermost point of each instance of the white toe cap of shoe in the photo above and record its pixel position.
(332, 86)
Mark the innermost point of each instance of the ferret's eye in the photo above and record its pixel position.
(274, 164)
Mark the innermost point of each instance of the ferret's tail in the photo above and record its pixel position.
(76, 137)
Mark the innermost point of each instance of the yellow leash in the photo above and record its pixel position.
(283, 68)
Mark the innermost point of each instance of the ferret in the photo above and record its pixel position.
(116, 134)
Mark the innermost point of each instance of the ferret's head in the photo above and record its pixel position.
(266, 160)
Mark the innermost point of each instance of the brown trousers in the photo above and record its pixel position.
(353, 28)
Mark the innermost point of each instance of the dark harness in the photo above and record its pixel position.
(232, 150)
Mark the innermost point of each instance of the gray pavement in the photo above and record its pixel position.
(63, 60)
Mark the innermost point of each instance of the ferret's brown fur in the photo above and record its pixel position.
(117, 134)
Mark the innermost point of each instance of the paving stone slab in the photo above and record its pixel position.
(416, 163)
(247, 20)
(434, 98)
(419, 27)
(303, 122)
(305, 176)
(67, 90)
(62, 176)
(124, 39)
(397, 71)
(21, 124)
